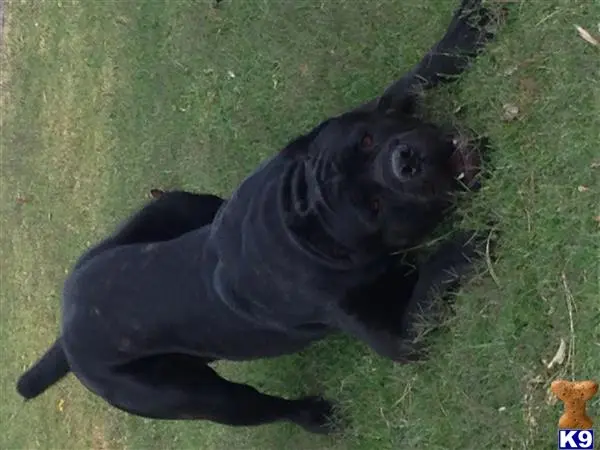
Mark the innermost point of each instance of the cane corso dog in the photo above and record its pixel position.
(306, 246)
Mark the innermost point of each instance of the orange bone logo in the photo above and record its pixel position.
(574, 395)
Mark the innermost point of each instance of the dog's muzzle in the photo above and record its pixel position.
(404, 162)
(396, 163)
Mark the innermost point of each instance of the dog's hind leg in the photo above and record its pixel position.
(170, 215)
(179, 386)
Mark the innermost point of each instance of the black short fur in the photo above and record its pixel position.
(302, 249)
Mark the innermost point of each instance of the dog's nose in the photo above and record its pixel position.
(404, 161)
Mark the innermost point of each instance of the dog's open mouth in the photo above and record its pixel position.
(466, 161)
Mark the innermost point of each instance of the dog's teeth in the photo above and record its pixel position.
(460, 176)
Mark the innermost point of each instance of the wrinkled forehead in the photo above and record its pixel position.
(349, 128)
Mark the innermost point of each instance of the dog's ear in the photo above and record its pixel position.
(156, 193)
(301, 145)
(406, 104)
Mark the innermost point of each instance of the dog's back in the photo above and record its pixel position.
(172, 214)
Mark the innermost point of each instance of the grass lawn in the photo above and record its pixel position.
(102, 100)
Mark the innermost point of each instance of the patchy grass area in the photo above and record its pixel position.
(103, 100)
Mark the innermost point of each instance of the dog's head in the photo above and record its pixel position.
(374, 180)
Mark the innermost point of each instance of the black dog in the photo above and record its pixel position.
(301, 249)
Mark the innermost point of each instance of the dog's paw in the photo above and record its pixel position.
(473, 25)
(316, 415)
(455, 257)
(412, 351)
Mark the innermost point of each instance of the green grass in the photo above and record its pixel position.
(102, 100)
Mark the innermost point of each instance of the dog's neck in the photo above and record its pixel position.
(307, 216)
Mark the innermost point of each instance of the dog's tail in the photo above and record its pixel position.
(49, 369)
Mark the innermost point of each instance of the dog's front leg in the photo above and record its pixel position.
(382, 340)
(388, 314)
(440, 275)
(466, 35)
(371, 312)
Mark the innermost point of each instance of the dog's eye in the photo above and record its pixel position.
(366, 142)
(374, 205)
